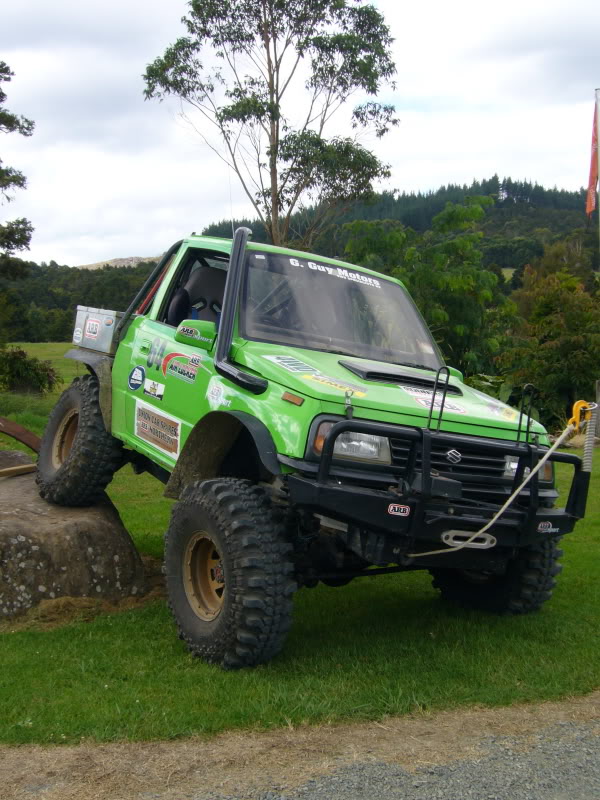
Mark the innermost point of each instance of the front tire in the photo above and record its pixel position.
(229, 577)
(525, 586)
(78, 457)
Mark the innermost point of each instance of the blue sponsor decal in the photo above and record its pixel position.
(136, 378)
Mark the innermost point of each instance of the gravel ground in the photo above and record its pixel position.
(562, 763)
(546, 751)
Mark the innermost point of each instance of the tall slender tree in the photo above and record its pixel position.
(264, 78)
(15, 235)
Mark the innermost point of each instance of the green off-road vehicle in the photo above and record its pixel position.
(300, 412)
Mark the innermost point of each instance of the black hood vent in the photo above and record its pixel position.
(378, 373)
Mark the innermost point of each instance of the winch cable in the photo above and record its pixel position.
(574, 425)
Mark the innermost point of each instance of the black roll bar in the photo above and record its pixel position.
(147, 284)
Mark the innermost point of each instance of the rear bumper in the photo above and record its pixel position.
(420, 505)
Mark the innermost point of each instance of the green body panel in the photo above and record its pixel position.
(162, 387)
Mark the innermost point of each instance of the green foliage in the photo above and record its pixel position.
(239, 68)
(377, 245)
(21, 373)
(493, 385)
(443, 271)
(41, 306)
(515, 231)
(557, 346)
(458, 297)
(15, 235)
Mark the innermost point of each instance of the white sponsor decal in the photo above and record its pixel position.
(398, 511)
(161, 430)
(423, 398)
(216, 396)
(154, 389)
(292, 364)
(191, 332)
(338, 272)
(505, 412)
(77, 335)
(547, 527)
(312, 374)
(91, 328)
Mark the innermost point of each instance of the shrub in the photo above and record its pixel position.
(20, 373)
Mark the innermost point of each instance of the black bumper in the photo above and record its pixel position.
(421, 504)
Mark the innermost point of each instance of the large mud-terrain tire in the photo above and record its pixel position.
(229, 574)
(78, 457)
(524, 587)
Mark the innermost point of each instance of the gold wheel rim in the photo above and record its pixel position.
(204, 577)
(64, 438)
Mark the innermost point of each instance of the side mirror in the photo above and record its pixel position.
(197, 332)
(456, 373)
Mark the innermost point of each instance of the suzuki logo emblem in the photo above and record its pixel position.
(453, 456)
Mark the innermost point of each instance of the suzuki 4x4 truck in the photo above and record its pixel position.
(300, 411)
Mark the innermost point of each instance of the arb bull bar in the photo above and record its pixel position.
(424, 504)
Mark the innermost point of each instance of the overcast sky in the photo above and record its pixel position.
(482, 88)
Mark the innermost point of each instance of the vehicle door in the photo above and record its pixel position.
(168, 380)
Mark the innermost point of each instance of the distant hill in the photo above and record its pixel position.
(132, 261)
(521, 210)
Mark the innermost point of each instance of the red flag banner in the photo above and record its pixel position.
(590, 204)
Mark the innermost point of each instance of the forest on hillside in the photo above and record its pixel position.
(505, 273)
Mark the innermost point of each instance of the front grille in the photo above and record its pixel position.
(474, 465)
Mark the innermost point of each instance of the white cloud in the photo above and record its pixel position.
(480, 90)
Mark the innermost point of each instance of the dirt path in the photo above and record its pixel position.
(247, 764)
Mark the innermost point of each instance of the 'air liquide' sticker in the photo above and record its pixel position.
(136, 378)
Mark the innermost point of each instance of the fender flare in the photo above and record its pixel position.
(101, 366)
(209, 442)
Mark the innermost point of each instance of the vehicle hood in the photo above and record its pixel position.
(379, 386)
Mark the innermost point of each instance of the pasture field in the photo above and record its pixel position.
(374, 648)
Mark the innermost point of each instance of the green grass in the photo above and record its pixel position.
(373, 648)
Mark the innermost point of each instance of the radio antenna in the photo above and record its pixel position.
(230, 200)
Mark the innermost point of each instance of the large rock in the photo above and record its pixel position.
(50, 551)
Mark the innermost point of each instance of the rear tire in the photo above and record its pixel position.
(229, 577)
(525, 586)
(78, 457)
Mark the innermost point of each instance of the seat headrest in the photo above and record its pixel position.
(207, 283)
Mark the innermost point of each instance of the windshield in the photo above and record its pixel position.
(319, 306)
